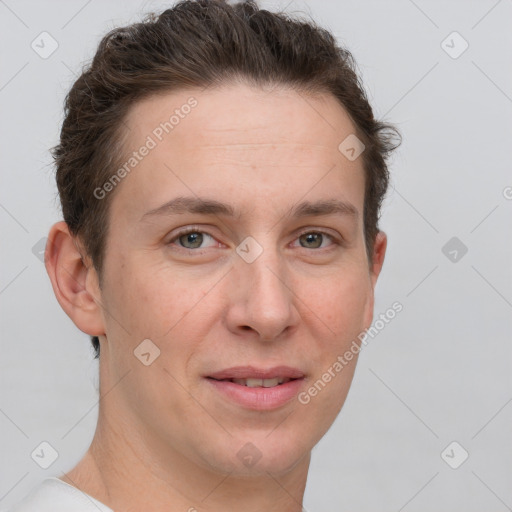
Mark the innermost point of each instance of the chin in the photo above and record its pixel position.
(257, 454)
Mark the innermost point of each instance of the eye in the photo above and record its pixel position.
(193, 239)
(315, 240)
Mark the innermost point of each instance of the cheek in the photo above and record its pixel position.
(154, 301)
(339, 303)
(340, 307)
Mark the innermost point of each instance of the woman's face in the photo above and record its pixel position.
(256, 268)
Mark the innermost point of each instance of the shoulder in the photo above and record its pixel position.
(54, 495)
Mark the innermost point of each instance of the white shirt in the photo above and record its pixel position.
(54, 495)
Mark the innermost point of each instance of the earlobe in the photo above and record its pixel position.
(75, 285)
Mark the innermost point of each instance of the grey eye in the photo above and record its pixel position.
(191, 240)
(311, 240)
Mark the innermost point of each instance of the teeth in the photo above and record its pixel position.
(261, 383)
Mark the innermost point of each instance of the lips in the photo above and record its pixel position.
(252, 373)
(252, 377)
(258, 388)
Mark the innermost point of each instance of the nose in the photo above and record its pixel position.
(262, 299)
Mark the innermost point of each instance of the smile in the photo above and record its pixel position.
(259, 383)
(256, 388)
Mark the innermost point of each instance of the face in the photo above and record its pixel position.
(236, 246)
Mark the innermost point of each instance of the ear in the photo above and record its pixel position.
(75, 284)
(379, 252)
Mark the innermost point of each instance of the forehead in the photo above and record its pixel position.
(227, 114)
(224, 139)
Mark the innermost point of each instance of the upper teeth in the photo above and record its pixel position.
(266, 383)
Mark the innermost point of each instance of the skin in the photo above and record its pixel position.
(165, 440)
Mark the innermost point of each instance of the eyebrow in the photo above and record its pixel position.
(326, 207)
(205, 206)
(191, 205)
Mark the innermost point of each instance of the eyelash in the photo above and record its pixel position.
(332, 238)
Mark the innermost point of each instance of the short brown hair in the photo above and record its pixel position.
(199, 44)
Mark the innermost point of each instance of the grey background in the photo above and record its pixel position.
(439, 372)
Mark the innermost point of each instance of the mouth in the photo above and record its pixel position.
(258, 383)
(257, 388)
